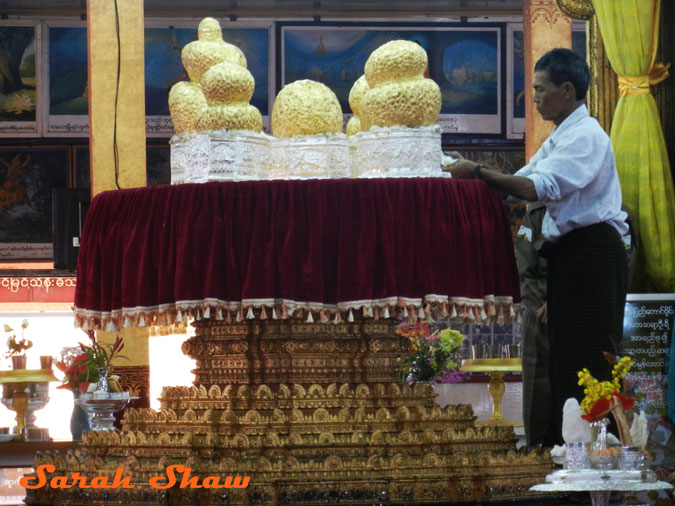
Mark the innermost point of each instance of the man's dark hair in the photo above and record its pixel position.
(565, 65)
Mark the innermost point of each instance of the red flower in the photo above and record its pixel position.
(627, 402)
(601, 408)
(598, 411)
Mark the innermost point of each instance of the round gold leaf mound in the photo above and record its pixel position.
(185, 101)
(359, 89)
(353, 125)
(410, 102)
(226, 82)
(209, 29)
(210, 48)
(306, 107)
(394, 60)
(198, 56)
(240, 116)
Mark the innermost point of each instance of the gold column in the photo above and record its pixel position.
(116, 94)
(545, 27)
(117, 137)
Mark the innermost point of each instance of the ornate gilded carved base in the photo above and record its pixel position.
(135, 379)
(293, 351)
(315, 431)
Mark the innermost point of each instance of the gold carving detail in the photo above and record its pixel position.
(363, 440)
(577, 9)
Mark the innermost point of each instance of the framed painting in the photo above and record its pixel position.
(163, 66)
(27, 176)
(515, 71)
(65, 72)
(465, 61)
(67, 94)
(157, 163)
(515, 82)
(81, 161)
(20, 44)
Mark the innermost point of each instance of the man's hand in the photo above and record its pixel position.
(542, 314)
(462, 168)
(518, 186)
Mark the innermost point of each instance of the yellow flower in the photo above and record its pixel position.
(595, 390)
(20, 102)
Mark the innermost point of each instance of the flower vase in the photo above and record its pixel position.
(102, 383)
(80, 420)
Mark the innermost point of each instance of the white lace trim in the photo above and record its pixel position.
(499, 309)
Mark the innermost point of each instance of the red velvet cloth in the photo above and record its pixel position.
(314, 242)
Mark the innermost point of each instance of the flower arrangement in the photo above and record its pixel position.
(433, 356)
(604, 397)
(82, 366)
(14, 347)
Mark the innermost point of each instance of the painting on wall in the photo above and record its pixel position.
(157, 163)
(515, 70)
(515, 84)
(67, 96)
(19, 95)
(464, 61)
(66, 73)
(163, 68)
(27, 176)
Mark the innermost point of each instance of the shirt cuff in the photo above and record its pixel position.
(538, 183)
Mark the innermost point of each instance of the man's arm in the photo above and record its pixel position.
(518, 186)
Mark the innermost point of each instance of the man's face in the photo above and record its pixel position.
(551, 101)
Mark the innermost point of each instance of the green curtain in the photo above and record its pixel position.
(629, 30)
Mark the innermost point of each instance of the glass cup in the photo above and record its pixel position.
(46, 362)
(576, 456)
(629, 458)
(482, 351)
(510, 351)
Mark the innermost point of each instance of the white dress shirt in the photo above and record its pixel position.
(574, 174)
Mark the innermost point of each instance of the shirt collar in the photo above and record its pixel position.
(576, 115)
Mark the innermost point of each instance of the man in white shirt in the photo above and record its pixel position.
(574, 174)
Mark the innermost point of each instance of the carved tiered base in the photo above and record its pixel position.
(293, 351)
(313, 414)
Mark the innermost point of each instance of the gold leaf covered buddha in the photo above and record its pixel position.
(186, 99)
(306, 107)
(355, 96)
(399, 93)
(200, 55)
(228, 87)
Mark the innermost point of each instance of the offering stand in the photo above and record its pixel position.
(601, 488)
(25, 391)
(495, 367)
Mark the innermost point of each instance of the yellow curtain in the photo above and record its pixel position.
(629, 30)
